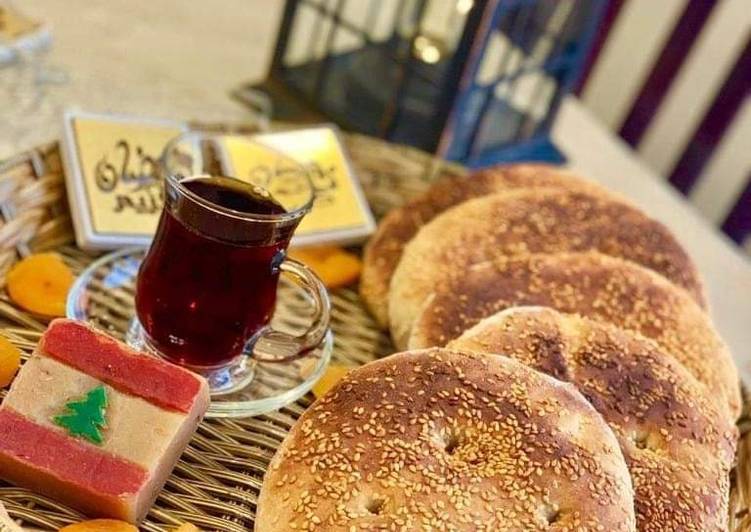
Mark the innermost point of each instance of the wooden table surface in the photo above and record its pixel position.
(161, 59)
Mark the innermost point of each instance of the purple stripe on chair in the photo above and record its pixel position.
(665, 69)
(738, 223)
(608, 19)
(708, 134)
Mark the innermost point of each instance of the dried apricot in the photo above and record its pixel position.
(10, 361)
(100, 525)
(333, 265)
(40, 283)
(333, 374)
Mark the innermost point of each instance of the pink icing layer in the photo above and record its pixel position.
(82, 347)
(53, 454)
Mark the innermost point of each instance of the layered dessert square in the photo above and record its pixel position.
(95, 424)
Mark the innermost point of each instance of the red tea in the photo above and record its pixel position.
(209, 280)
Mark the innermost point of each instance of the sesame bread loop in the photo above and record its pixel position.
(384, 249)
(678, 446)
(505, 225)
(445, 440)
(596, 286)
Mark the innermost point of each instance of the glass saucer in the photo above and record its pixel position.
(104, 293)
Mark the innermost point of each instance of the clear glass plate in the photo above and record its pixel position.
(103, 295)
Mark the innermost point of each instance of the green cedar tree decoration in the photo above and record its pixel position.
(86, 418)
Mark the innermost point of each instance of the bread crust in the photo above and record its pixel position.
(498, 226)
(678, 446)
(384, 249)
(595, 286)
(444, 440)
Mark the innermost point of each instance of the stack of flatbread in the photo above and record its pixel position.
(559, 372)
(542, 266)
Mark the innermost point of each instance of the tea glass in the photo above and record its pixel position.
(206, 290)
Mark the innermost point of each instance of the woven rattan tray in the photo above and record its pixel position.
(216, 484)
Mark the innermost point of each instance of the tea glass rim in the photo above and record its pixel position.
(176, 180)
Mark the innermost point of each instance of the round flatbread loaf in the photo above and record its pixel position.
(444, 440)
(384, 249)
(505, 225)
(678, 446)
(595, 286)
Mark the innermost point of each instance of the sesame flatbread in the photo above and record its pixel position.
(444, 440)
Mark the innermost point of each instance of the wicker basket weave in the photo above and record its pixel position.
(217, 481)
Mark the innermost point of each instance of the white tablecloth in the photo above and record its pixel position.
(597, 153)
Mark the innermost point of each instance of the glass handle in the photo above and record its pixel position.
(271, 345)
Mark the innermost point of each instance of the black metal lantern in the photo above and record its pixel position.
(475, 80)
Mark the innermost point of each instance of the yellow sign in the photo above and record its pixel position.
(339, 205)
(116, 195)
(112, 177)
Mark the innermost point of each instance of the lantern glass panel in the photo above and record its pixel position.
(469, 78)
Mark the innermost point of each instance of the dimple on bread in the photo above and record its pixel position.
(678, 446)
(444, 440)
(384, 249)
(516, 224)
(596, 286)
